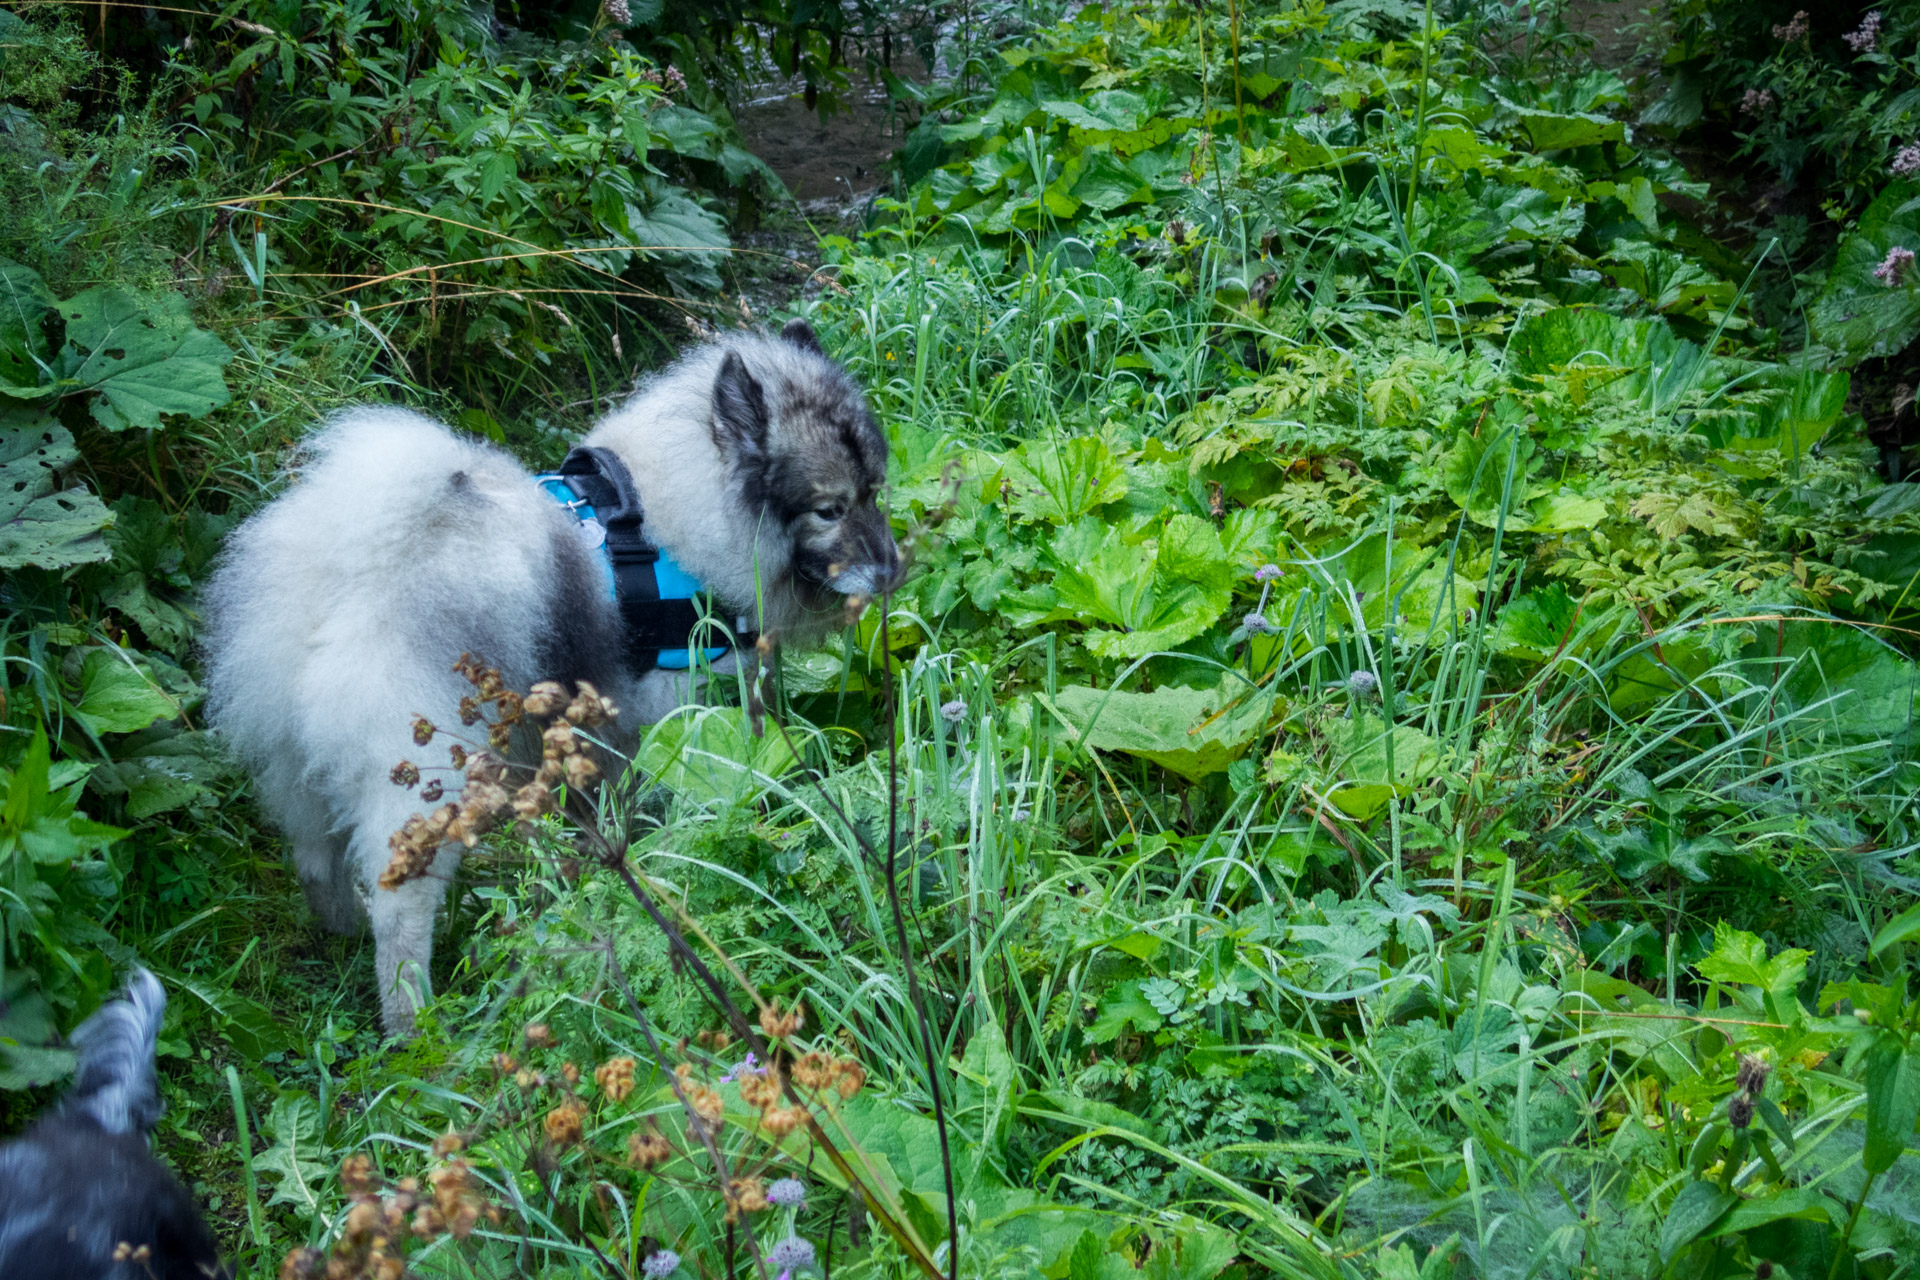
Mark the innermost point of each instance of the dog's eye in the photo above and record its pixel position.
(830, 514)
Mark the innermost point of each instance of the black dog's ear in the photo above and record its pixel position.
(801, 335)
(739, 410)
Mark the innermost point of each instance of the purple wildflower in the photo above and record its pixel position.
(787, 1193)
(1363, 682)
(1906, 161)
(1756, 101)
(1863, 39)
(750, 1063)
(953, 712)
(1792, 31)
(1266, 573)
(790, 1253)
(1256, 624)
(662, 1262)
(1892, 271)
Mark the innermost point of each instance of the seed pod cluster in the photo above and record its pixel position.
(492, 790)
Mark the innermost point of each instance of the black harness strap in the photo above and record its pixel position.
(599, 478)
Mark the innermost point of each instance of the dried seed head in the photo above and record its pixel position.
(484, 766)
(532, 800)
(648, 1150)
(778, 1026)
(1751, 1076)
(749, 1194)
(539, 1035)
(615, 1078)
(458, 755)
(581, 771)
(432, 791)
(356, 1174)
(500, 737)
(448, 1143)
(405, 774)
(427, 1222)
(469, 710)
(504, 1064)
(565, 1123)
(1740, 1110)
(526, 1078)
(781, 1121)
(362, 1220)
(423, 731)
(813, 1070)
(547, 698)
(570, 1073)
(303, 1264)
(852, 1076)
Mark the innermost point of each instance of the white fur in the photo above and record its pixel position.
(339, 609)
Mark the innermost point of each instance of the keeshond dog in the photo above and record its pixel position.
(337, 612)
(81, 1197)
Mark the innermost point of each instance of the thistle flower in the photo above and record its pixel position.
(662, 1262)
(1266, 573)
(1792, 31)
(1863, 39)
(953, 712)
(1906, 161)
(1740, 1111)
(790, 1253)
(1256, 624)
(787, 1193)
(1751, 1076)
(1892, 271)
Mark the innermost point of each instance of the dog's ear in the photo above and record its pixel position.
(801, 335)
(739, 410)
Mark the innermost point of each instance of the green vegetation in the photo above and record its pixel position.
(1396, 760)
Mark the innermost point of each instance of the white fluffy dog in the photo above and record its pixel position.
(338, 611)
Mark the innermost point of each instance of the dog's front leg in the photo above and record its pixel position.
(403, 945)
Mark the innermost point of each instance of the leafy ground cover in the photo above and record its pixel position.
(1395, 761)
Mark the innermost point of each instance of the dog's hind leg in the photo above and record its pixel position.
(333, 891)
(402, 919)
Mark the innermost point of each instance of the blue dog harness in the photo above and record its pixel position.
(661, 604)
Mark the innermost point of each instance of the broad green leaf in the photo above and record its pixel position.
(989, 1079)
(1858, 314)
(708, 754)
(117, 696)
(1901, 928)
(1191, 732)
(1790, 1202)
(1549, 131)
(1486, 474)
(1564, 512)
(1868, 688)
(143, 355)
(1536, 624)
(1893, 1101)
(1060, 483)
(24, 306)
(684, 131)
(298, 1160)
(1157, 594)
(1693, 1211)
(1123, 1004)
(40, 527)
(1377, 763)
(1741, 959)
(1106, 182)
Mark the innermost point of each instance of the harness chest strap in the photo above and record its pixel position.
(661, 605)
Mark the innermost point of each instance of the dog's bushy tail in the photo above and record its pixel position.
(115, 1084)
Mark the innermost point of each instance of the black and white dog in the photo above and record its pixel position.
(338, 610)
(81, 1197)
